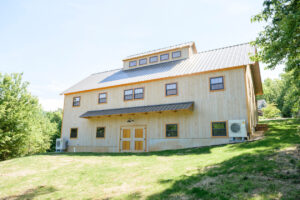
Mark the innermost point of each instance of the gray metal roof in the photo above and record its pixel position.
(216, 59)
(161, 49)
(140, 109)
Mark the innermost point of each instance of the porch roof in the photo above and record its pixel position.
(140, 109)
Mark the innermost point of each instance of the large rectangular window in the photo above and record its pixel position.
(100, 133)
(74, 133)
(128, 95)
(171, 89)
(164, 57)
(176, 54)
(143, 61)
(132, 63)
(102, 98)
(76, 101)
(219, 129)
(138, 93)
(171, 130)
(216, 83)
(153, 59)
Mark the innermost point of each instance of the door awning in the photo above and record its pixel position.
(140, 109)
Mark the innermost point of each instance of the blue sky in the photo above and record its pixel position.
(56, 43)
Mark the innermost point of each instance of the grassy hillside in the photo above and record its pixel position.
(265, 169)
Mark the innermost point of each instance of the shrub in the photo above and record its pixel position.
(271, 111)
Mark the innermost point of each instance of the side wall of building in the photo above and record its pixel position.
(194, 126)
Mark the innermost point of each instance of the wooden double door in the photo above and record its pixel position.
(133, 139)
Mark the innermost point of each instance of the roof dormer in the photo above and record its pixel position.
(167, 54)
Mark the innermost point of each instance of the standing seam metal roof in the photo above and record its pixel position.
(216, 59)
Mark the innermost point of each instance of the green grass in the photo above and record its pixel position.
(264, 169)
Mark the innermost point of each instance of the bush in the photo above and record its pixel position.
(271, 111)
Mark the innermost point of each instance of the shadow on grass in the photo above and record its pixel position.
(32, 193)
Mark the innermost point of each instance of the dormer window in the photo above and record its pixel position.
(176, 54)
(132, 63)
(164, 57)
(153, 59)
(143, 61)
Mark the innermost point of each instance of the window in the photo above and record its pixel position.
(102, 98)
(218, 129)
(171, 130)
(176, 54)
(216, 83)
(132, 63)
(74, 133)
(171, 89)
(100, 133)
(143, 61)
(164, 57)
(76, 101)
(153, 59)
(138, 93)
(128, 95)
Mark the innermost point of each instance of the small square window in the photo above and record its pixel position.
(76, 101)
(128, 95)
(171, 89)
(138, 93)
(176, 54)
(132, 63)
(102, 98)
(219, 129)
(100, 133)
(143, 61)
(171, 130)
(216, 83)
(164, 57)
(153, 59)
(74, 133)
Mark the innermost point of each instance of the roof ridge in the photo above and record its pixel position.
(137, 54)
(224, 47)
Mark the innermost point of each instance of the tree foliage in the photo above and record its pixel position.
(24, 127)
(280, 41)
(55, 118)
(271, 111)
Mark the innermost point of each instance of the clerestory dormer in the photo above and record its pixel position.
(168, 54)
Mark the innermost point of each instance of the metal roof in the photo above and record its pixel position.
(216, 59)
(140, 109)
(161, 49)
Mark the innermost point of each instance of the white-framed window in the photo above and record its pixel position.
(132, 63)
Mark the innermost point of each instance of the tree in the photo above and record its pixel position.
(55, 118)
(24, 127)
(271, 111)
(280, 41)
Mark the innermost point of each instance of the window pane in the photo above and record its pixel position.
(171, 89)
(153, 59)
(171, 130)
(132, 63)
(171, 92)
(219, 129)
(138, 90)
(217, 86)
(176, 54)
(216, 80)
(216, 83)
(100, 132)
(102, 95)
(171, 86)
(143, 61)
(164, 57)
(76, 101)
(127, 92)
(73, 133)
(128, 97)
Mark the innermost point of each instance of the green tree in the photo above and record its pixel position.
(24, 127)
(271, 111)
(279, 42)
(55, 118)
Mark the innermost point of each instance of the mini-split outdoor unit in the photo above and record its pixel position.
(61, 144)
(237, 129)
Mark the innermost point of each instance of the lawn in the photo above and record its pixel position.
(264, 169)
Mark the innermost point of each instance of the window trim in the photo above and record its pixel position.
(104, 132)
(99, 97)
(176, 52)
(163, 55)
(73, 101)
(216, 77)
(152, 57)
(171, 94)
(132, 61)
(132, 95)
(143, 59)
(143, 93)
(71, 138)
(177, 130)
(211, 128)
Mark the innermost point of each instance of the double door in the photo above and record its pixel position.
(133, 139)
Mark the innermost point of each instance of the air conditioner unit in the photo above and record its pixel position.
(61, 144)
(237, 128)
